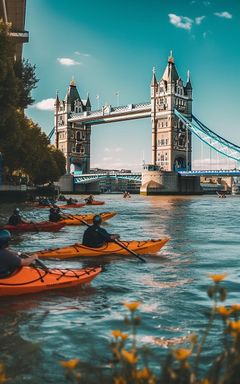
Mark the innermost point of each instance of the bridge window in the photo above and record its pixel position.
(166, 141)
(73, 149)
(162, 141)
(78, 136)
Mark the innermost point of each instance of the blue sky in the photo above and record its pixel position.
(110, 47)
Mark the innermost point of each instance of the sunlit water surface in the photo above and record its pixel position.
(37, 331)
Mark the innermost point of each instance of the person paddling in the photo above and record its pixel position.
(95, 236)
(16, 218)
(9, 260)
(89, 199)
(54, 214)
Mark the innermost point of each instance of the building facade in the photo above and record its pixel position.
(73, 139)
(171, 141)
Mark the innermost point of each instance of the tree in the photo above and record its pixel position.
(24, 147)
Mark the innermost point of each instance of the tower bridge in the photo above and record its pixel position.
(172, 126)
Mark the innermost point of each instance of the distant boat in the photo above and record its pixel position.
(236, 189)
(221, 194)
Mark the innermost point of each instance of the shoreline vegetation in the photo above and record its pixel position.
(25, 151)
(131, 363)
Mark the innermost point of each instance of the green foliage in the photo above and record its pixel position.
(25, 149)
(130, 362)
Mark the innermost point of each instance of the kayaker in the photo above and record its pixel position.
(95, 236)
(44, 201)
(16, 218)
(71, 201)
(54, 214)
(9, 260)
(89, 199)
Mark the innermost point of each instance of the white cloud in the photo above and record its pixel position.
(82, 54)
(107, 149)
(67, 61)
(45, 105)
(118, 149)
(107, 158)
(198, 20)
(225, 15)
(180, 21)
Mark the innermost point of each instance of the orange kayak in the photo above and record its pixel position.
(79, 250)
(47, 226)
(31, 280)
(95, 202)
(76, 219)
(67, 206)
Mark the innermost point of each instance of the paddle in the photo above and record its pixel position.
(40, 263)
(115, 241)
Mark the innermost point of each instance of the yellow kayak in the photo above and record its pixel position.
(76, 219)
(79, 250)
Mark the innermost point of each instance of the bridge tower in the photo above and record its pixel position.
(171, 141)
(73, 139)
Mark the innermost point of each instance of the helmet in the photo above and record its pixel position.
(97, 220)
(5, 236)
(16, 210)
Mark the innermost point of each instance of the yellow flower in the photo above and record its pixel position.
(205, 381)
(182, 353)
(132, 306)
(235, 307)
(116, 333)
(235, 325)
(129, 356)
(70, 364)
(119, 380)
(143, 373)
(3, 377)
(224, 311)
(216, 278)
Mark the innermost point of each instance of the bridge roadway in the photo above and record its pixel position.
(221, 172)
(93, 177)
(137, 176)
(109, 114)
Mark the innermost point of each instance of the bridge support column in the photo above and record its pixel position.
(158, 182)
(87, 188)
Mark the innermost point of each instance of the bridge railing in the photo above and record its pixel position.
(108, 110)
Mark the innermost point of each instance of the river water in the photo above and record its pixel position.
(37, 331)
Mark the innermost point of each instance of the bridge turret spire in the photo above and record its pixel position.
(170, 74)
(154, 80)
(171, 58)
(188, 84)
(57, 102)
(72, 94)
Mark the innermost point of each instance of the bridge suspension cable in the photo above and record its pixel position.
(212, 139)
(50, 135)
